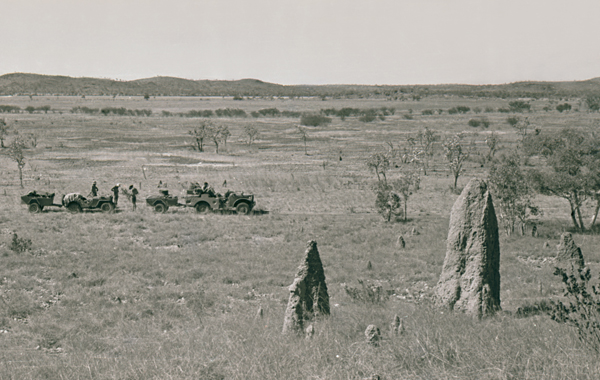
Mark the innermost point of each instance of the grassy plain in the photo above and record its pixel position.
(139, 295)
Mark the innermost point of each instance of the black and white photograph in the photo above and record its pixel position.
(311, 190)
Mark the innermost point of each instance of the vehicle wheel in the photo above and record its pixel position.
(243, 208)
(74, 208)
(160, 207)
(202, 208)
(107, 207)
(34, 207)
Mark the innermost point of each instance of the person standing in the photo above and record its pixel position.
(115, 191)
(94, 191)
(134, 192)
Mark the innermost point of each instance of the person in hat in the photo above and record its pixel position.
(115, 191)
(134, 192)
(94, 191)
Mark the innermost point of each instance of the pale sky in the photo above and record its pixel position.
(305, 41)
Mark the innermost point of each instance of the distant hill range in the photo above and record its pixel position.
(35, 84)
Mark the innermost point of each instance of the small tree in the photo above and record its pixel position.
(387, 201)
(380, 164)
(456, 155)
(512, 192)
(408, 182)
(15, 152)
(304, 136)
(219, 134)
(251, 132)
(204, 131)
(492, 142)
(3, 132)
(427, 139)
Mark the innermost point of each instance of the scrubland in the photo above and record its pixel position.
(140, 295)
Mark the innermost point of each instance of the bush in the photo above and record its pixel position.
(563, 107)
(314, 120)
(583, 311)
(503, 110)
(474, 123)
(427, 112)
(367, 118)
(519, 106)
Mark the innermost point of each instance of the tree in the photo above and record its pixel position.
(456, 155)
(573, 168)
(304, 136)
(219, 134)
(380, 164)
(512, 192)
(204, 131)
(3, 132)
(492, 142)
(251, 132)
(387, 201)
(427, 139)
(405, 184)
(15, 152)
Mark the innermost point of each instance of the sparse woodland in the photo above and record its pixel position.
(143, 295)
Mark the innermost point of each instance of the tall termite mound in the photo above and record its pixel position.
(308, 292)
(470, 279)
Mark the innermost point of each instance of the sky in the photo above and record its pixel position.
(305, 41)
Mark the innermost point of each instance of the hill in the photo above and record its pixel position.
(35, 84)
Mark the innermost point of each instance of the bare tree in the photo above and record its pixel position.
(251, 132)
(492, 143)
(304, 136)
(219, 134)
(15, 152)
(456, 154)
(380, 164)
(204, 131)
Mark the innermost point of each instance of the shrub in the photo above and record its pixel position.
(427, 112)
(314, 120)
(474, 123)
(563, 107)
(463, 109)
(583, 310)
(503, 110)
(519, 106)
(367, 118)
(407, 116)
(489, 109)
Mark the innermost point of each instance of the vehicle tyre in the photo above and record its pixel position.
(74, 208)
(243, 208)
(107, 207)
(160, 207)
(202, 208)
(34, 207)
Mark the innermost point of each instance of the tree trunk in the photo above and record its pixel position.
(21, 176)
(578, 209)
(575, 223)
(596, 211)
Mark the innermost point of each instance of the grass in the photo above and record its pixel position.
(139, 295)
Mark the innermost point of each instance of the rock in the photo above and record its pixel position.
(397, 327)
(400, 242)
(373, 335)
(470, 278)
(568, 251)
(546, 245)
(414, 232)
(308, 293)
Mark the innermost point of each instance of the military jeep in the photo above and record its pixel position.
(75, 202)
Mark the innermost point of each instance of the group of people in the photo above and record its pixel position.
(132, 193)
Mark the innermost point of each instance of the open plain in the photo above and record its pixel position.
(142, 295)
